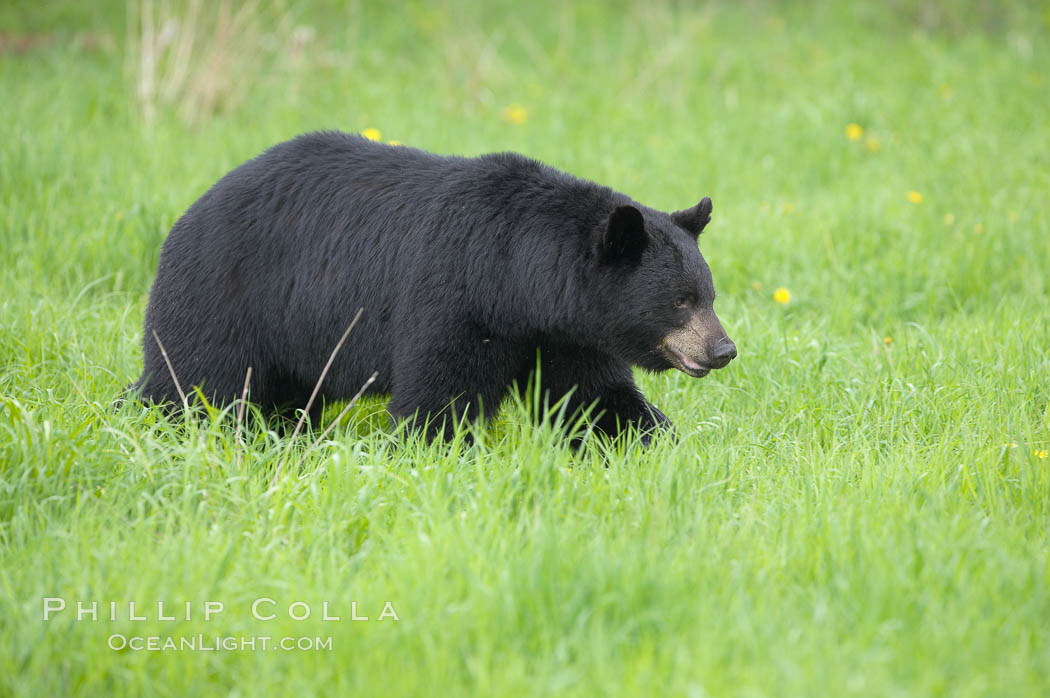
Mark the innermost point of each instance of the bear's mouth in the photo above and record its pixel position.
(683, 363)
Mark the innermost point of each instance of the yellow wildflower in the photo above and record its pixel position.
(914, 197)
(372, 134)
(854, 132)
(515, 114)
(782, 296)
(887, 340)
(393, 142)
(1042, 454)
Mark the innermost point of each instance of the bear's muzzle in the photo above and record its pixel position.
(699, 346)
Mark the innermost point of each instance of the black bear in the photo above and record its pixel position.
(466, 269)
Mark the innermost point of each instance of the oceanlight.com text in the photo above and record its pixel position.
(217, 643)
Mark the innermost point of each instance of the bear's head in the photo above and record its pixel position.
(663, 316)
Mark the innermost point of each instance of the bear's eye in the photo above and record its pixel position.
(681, 302)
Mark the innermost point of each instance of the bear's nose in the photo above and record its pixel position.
(723, 354)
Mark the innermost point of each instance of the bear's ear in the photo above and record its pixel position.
(625, 236)
(693, 220)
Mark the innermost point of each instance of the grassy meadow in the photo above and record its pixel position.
(858, 506)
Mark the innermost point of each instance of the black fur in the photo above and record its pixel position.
(465, 268)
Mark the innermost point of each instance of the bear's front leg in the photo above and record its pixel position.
(604, 385)
(623, 407)
(451, 372)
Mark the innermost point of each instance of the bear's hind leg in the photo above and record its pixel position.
(283, 400)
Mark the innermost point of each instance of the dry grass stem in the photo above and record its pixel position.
(171, 370)
(339, 418)
(313, 395)
(240, 416)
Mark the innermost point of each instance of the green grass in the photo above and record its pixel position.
(841, 516)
